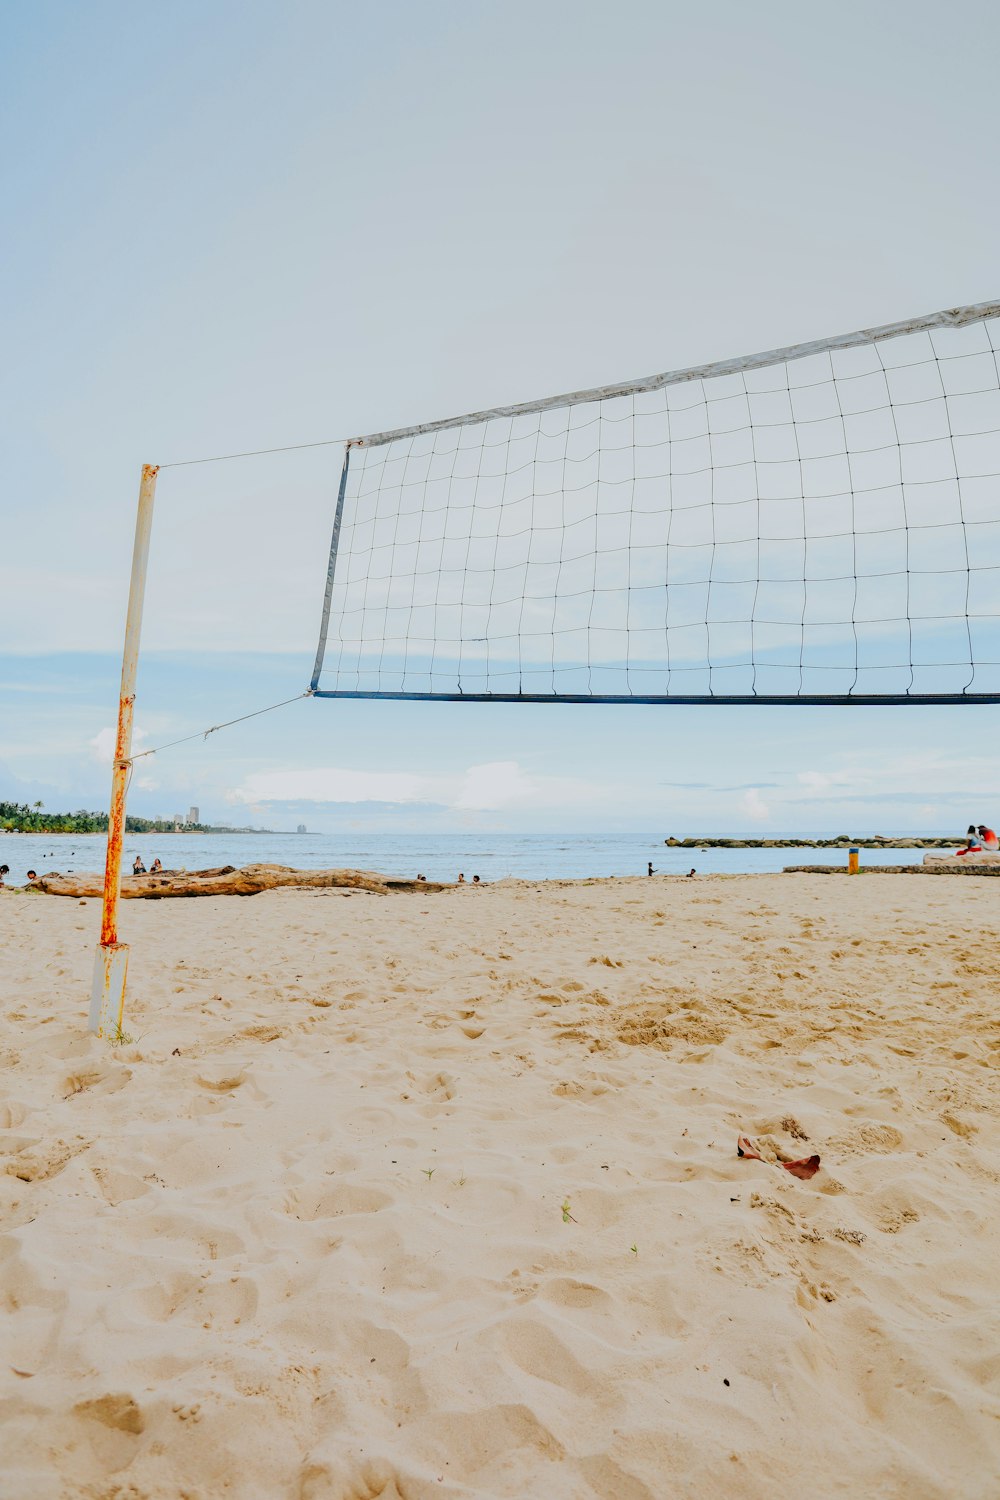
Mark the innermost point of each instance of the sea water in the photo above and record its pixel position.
(491, 856)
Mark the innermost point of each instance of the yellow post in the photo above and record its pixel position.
(852, 861)
(107, 996)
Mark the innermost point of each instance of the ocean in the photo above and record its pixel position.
(491, 856)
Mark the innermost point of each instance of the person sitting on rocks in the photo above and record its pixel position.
(32, 876)
(989, 838)
(138, 868)
(156, 868)
(972, 843)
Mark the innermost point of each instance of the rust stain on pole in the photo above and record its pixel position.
(116, 821)
(105, 1006)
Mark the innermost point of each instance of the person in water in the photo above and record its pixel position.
(989, 838)
(4, 870)
(649, 867)
(461, 879)
(475, 880)
(138, 867)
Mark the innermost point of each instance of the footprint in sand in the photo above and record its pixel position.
(538, 1352)
(118, 1187)
(121, 1412)
(377, 1480)
(42, 1161)
(875, 1138)
(105, 1076)
(604, 1477)
(325, 1202)
(196, 1300)
(480, 1443)
(565, 1292)
(439, 1085)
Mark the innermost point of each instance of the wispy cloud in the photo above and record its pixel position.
(750, 786)
(952, 795)
(483, 788)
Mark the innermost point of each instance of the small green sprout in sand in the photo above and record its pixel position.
(634, 1249)
(567, 1216)
(428, 1172)
(119, 1038)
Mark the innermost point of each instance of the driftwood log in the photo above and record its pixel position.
(228, 881)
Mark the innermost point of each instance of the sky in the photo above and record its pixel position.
(230, 226)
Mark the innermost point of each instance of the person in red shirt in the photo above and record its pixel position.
(988, 837)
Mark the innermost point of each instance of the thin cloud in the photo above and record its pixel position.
(961, 794)
(483, 788)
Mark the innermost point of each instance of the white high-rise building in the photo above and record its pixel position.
(192, 816)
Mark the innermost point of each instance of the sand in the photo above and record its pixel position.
(438, 1195)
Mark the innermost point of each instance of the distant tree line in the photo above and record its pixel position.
(22, 817)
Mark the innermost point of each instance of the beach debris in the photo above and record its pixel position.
(227, 881)
(804, 1168)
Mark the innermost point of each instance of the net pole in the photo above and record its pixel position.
(107, 997)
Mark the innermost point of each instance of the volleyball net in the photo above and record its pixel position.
(819, 523)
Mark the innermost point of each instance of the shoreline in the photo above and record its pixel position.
(102, 833)
(873, 841)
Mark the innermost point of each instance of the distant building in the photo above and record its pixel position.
(301, 828)
(192, 816)
(178, 820)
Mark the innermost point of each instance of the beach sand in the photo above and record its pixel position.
(438, 1195)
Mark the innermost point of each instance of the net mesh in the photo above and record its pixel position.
(821, 526)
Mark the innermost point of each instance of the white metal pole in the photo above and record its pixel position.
(107, 997)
